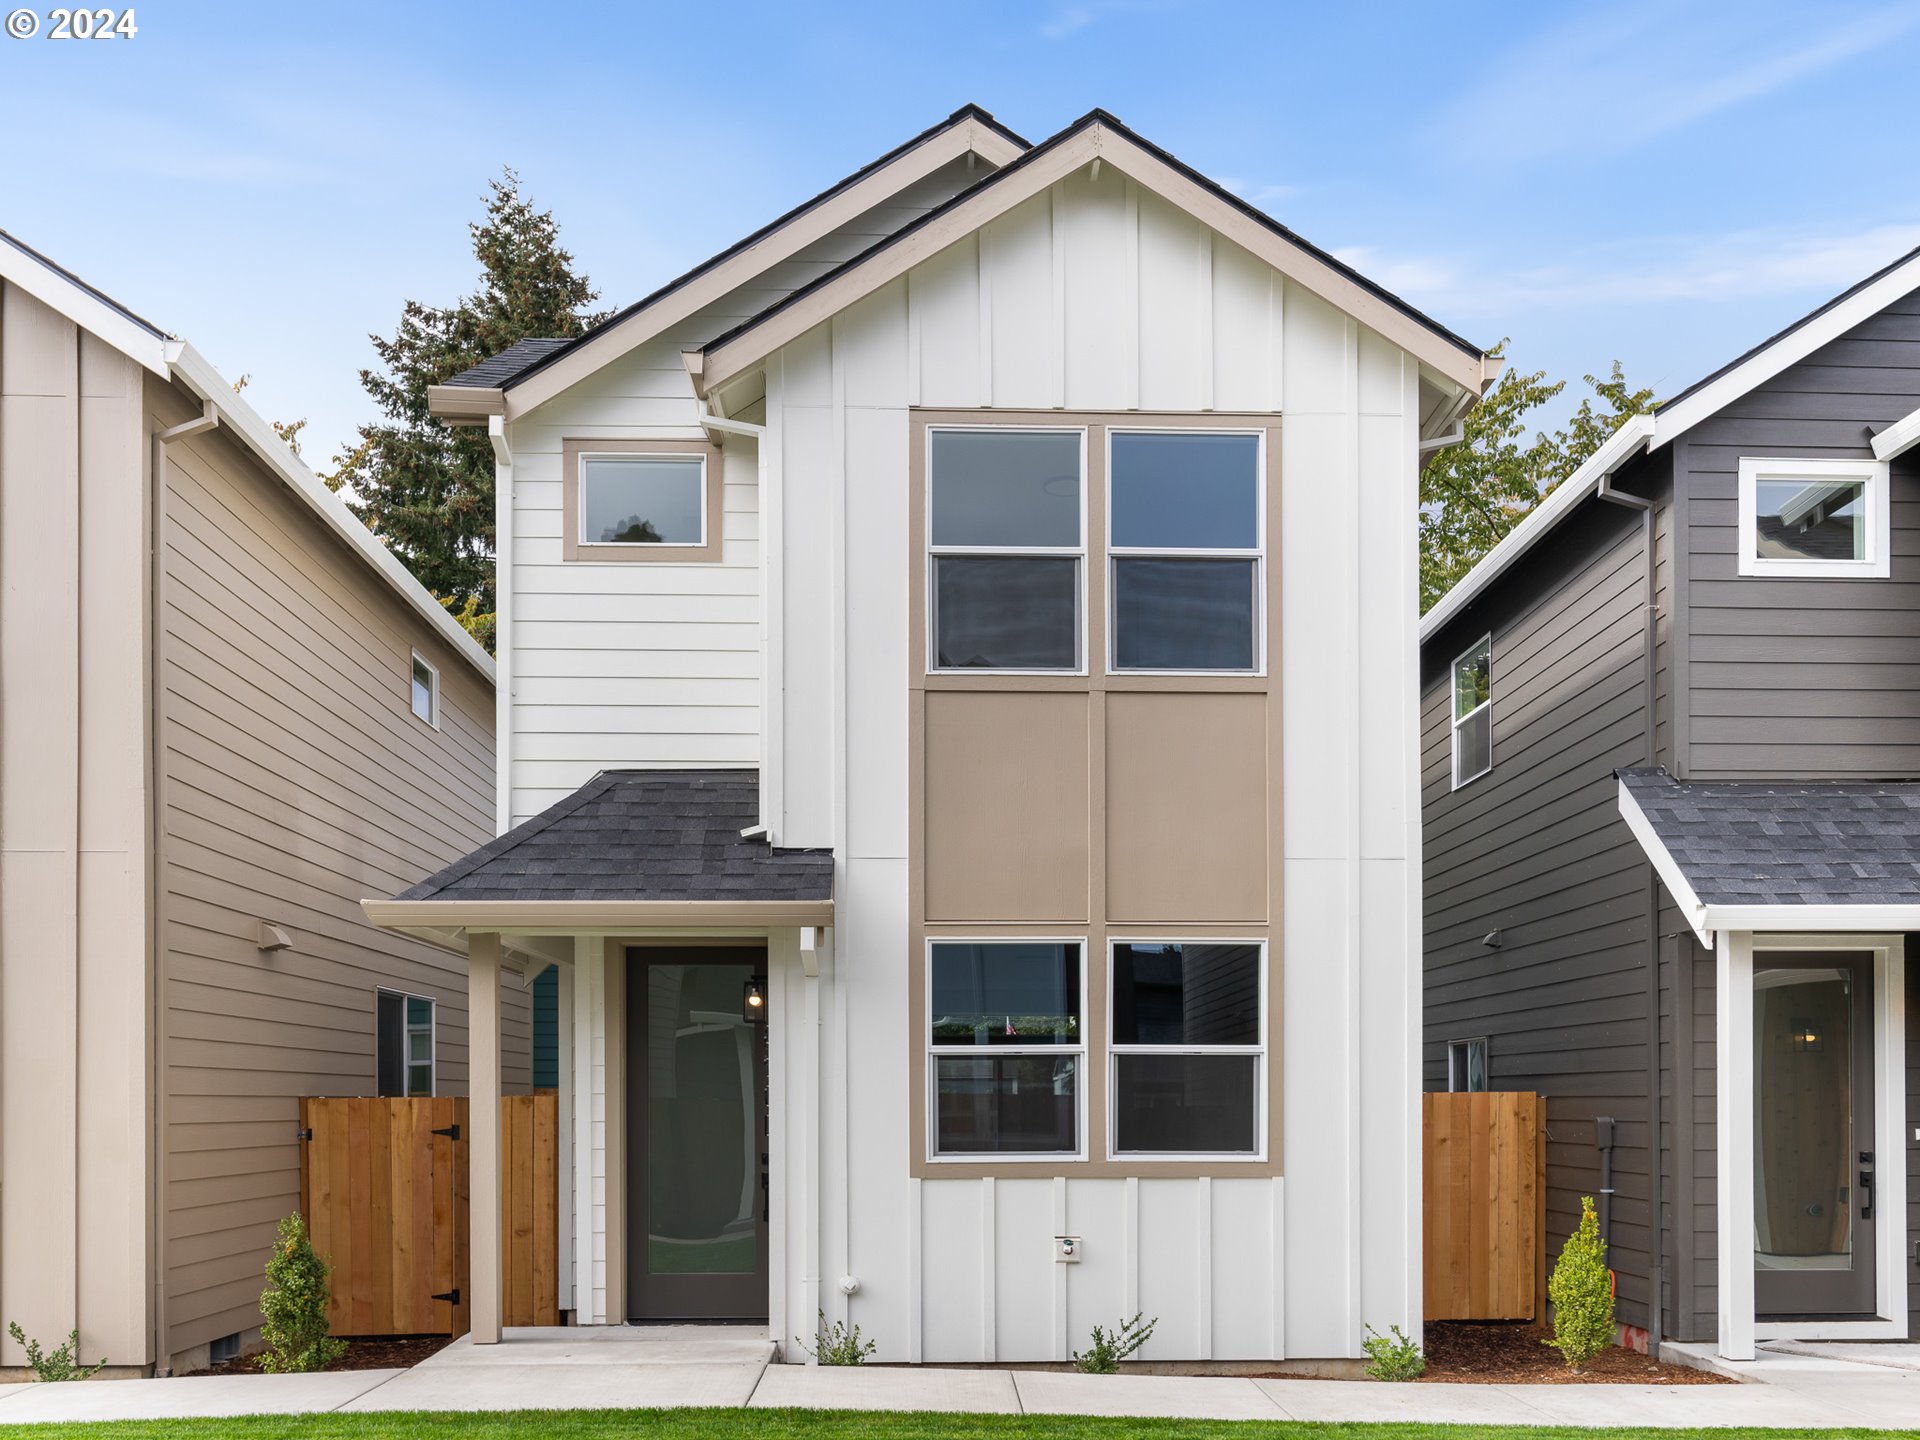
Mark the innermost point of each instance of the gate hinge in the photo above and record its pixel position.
(452, 1132)
(453, 1295)
(303, 1132)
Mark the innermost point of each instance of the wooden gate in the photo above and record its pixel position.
(1485, 1206)
(383, 1185)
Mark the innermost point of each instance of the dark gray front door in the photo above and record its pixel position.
(696, 1136)
(1813, 1218)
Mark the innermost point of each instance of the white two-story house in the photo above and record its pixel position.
(958, 739)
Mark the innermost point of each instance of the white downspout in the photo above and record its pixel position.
(502, 624)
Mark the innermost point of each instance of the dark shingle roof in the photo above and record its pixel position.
(639, 835)
(1840, 842)
(497, 371)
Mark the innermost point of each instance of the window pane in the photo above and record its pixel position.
(1810, 520)
(1183, 614)
(1186, 994)
(998, 612)
(1476, 1065)
(1185, 1104)
(1006, 487)
(419, 1011)
(1005, 1104)
(1474, 739)
(1473, 679)
(419, 1047)
(423, 691)
(635, 500)
(1009, 993)
(1193, 491)
(389, 1045)
(420, 1080)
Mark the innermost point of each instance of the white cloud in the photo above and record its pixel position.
(1073, 18)
(1618, 78)
(1258, 192)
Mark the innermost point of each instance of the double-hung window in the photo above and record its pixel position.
(1188, 1048)
(1184, 518)
(1007, 536)
(1473, 713)
(403, 1044)
(1006, 1047)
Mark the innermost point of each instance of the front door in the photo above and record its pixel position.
(696, 1134)
(1813, 1135)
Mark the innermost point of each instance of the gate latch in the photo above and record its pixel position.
(453, 1295)
(452, 1132)
(303, 1132)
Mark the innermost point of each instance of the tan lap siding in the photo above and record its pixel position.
(297, 782)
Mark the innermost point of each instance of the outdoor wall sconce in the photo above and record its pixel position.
(753, 1000)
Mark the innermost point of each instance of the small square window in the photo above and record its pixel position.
(1813, 518)
(1473, 713)
(1467, 1065)
(643, 500)
(426, 691)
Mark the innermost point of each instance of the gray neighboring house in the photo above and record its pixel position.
(226, 713)
(1671, 798)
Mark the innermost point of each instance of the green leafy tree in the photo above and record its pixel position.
(1473, 493)
(293, 1307)
(1581, 1289)
(427, 488)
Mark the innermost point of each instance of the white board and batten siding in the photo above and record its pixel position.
(1097, 296)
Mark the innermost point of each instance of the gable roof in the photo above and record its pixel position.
(1706, 397)
(1798, 851)
(173, 360)
(1096, 136)
(540, 376)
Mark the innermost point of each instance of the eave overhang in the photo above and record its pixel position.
(560, 917)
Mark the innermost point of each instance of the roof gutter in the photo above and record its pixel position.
(1636, 435)
(559, 917)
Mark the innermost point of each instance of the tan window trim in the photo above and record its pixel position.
(572, 452)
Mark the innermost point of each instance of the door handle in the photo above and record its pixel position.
(1866, 1184)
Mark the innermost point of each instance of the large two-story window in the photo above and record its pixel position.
(1188, 1048)
(1006, 1046)
(1006, 523)
(1473, 713)
(1184, 541)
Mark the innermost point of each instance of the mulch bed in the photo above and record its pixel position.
(1510, 1353)
(386, 1352)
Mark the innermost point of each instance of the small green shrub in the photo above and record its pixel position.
(1581, 1290)
(1108, 1349)
(836, 1344)
(61, 1364)
(1393, 1357)
(293, 1307)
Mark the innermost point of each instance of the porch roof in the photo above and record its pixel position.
(1803, 855)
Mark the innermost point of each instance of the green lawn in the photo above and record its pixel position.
(807, 1424)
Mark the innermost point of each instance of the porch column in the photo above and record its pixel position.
(1733, 1117)
(483, 1141)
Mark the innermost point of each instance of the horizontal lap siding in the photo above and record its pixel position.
(1794, 677)
(1537, 850)
(297, 782)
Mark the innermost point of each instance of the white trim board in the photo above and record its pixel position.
(1898, 438)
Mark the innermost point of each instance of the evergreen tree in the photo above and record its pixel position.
(424, 487)
(1473, 493)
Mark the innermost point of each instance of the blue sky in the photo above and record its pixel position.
(1658, 183)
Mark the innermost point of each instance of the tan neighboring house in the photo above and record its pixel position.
(226, 714)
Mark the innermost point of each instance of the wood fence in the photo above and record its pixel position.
(1484, 1206)
(384, 1188)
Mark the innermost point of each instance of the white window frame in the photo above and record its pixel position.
(1258, 554)
(433, 690)
(1456, 1049)
(1259, 1052)
(647, 457)
(406, 1031)
(1870, 474)
(1039, 552)
(935, 1052)
(1456, 720)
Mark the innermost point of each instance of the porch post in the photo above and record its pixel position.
(483, 1143)
(1733, 1098)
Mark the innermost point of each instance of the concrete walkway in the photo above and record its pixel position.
(707, 1366)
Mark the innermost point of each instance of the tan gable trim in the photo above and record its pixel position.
(815, 221)
(560, 916)
(1099, 141)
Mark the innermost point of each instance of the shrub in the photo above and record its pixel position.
(1108, 1349)
(294, 1305)
(836, 1344)
(61, 1364)
(1393, 1357)
(1582, 1293)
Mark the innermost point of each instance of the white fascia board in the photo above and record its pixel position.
(193, 371)
(1810, 919)
(1666, 867)
(1898, 438)
(1634, 436)
(1789, 349)
(59, 293)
